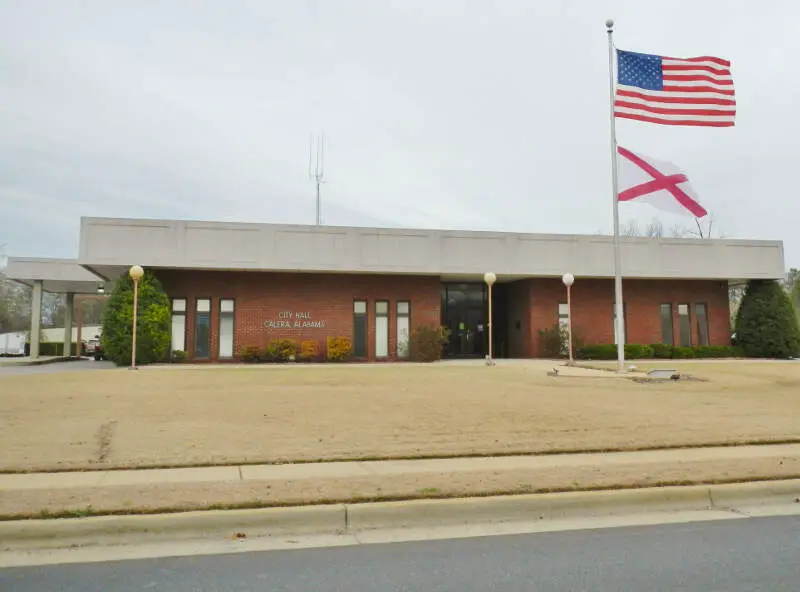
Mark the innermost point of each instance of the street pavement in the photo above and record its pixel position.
(729, 555)
(8, 369)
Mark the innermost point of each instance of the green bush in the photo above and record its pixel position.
(251, 354)
(179, 356)
(766, 322)
(682, 353)
(427, 343)
(638, 352)
(662, 350)
(152, 326)
(717, 351)
(600, 351)
(282, 350)
(552, 342)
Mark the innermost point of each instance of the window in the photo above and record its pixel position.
(202, 330)
(684, 326)
(563, 314)
(226, 308)
(360, 328)
(624, 321)
(701, 316)
(563, 323)
(403, 327)
(381, 329)
(667, 326)
(178, 338)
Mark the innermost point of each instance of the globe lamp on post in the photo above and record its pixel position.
(568, 280)
(135, 272)
(490, 279)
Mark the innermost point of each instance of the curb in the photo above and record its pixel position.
(52, 533)
(359, 517)
(22, 364)
(524, 508)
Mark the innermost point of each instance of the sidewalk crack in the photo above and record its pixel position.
(241, 477)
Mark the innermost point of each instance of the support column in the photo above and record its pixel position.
(36, 318)
(70, 305)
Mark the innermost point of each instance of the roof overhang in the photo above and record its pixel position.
(59, 276)
(109, 246)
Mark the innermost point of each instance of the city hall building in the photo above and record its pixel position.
(233, 285)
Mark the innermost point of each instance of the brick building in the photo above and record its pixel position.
(234, 285)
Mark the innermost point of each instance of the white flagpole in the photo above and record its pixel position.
(619, 321)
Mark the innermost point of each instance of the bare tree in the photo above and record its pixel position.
(655, 229)
(630, 228)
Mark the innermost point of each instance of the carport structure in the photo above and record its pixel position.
(57, 276)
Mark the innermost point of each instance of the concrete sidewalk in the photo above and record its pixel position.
(355, 469)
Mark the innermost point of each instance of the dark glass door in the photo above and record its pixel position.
(464, 311)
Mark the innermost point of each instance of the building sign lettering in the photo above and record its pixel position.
(294, 320)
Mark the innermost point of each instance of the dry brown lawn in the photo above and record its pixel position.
(189, 415)
(163, 497)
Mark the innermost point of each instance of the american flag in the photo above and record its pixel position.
(674, 91)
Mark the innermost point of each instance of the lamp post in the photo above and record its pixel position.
(568, 280)
(136, 272)
(490, 279)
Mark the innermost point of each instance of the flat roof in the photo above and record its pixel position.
(57, 275)
(108, 246)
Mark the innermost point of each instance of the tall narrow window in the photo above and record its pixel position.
(403, 328)
(381, 329)
(563, 314)
(202, 328)
(624, 321)
(178, 339)
(226, 309)
(667, 326)
(684, 326)
(701, 316)
(360, 328)
(563, 323)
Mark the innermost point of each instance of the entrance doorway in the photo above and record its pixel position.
(465, 311)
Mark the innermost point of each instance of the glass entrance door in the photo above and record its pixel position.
(464, 311)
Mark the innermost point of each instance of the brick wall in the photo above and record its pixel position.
(593, 302)
(261, 297)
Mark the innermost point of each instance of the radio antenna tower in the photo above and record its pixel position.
(316, 168)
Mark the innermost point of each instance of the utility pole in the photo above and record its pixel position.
(316, 168)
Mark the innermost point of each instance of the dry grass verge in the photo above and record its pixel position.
(145, 499)
(187, 416)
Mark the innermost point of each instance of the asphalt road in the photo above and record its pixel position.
(729, 555)
(55, 368)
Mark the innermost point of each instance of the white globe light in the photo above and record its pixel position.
(136, 272)
(489, 278)
(568, 279)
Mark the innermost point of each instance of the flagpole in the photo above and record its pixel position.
(618, 303)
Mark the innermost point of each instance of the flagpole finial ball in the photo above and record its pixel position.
(610, 24)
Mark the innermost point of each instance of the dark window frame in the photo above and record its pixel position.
(197, 314)
(661, 308)
(402, 315)
(688, 316)
(703, 329)
(361, 346)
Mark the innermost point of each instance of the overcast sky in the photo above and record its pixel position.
(445, 113)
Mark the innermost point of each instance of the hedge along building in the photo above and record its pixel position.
(234, 285)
